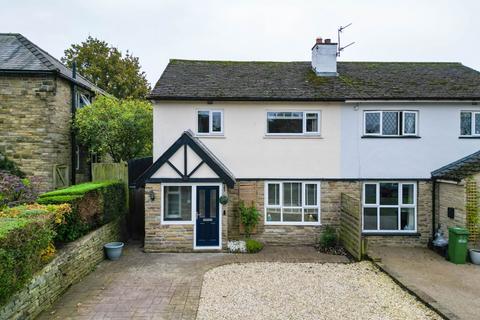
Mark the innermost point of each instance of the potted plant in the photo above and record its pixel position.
(114, 250)
(475, 256)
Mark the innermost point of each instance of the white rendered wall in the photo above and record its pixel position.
(246, 150)
(438, 145)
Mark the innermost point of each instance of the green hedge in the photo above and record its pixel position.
(24, 246)
(94, 204)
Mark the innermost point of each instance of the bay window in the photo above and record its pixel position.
(390, 123)
(389, 207)
(292, 203)
(470, 123)
(293, 122)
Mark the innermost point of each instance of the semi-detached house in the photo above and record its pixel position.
(291, 137)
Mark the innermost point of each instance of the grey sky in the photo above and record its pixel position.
(155, 31)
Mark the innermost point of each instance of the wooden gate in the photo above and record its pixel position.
(351, 226)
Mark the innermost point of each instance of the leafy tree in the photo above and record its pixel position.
(121, 128)
(106, 67)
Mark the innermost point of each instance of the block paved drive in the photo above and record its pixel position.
(158, 285)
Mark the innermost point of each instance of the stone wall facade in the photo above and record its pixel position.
(35, 116)
(424, 223)
(179, 238)
(71, 264)
(253, 191)
(167, 237)
(450, 195)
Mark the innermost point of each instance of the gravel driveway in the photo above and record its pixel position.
(305, 291)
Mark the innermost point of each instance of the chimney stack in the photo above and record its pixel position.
(324, 58)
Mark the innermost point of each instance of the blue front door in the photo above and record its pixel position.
(208, 227)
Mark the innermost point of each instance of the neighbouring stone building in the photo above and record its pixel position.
(38, 96)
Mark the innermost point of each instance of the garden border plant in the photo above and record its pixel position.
(250, 217)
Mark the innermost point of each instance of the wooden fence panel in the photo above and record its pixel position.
(111, 171)
(351, 226)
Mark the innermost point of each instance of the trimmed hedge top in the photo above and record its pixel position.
(79, 189)
(9, 224)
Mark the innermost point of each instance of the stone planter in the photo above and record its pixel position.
(475, 256)
(113, 250)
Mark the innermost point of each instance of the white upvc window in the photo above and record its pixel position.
(470, 123)
(209, 122)
(390, 123)
(293, 123)
(292, 202)
(177, 203)
(389, 207)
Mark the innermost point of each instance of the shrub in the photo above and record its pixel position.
(93, 204)
(15, 191)
(253, 246)
(249, 217)
(25, 246)
(328, 238)
(10, 166)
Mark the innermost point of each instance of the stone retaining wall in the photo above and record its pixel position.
(71, 264)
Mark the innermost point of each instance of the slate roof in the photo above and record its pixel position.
(20, 55)
(295, 81)
(459, 169)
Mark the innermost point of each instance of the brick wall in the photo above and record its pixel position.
(35, 124)
(71, 264)
(424, 223)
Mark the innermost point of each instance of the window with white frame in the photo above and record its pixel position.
(389, 207)
(470, 123)
(177, 205)
(210, 122)
(292, 203)
(293, 122)
(390, 123)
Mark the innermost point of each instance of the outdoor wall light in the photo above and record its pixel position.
(151, 194)
(355, 107)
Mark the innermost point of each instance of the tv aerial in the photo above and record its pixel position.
(340, 48)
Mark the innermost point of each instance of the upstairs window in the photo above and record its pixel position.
(469, 123)
(293, 122)
(390, 123)
(210, 122)
(82, 100)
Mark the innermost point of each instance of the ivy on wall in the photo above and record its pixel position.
(472, 209)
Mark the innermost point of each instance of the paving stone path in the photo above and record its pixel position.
(158, 285)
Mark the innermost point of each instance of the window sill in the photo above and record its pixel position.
(393, 234)
(174, 222)
(214, 136)
(469, 137)
(298, 224)
(390, 137)
(292, 136)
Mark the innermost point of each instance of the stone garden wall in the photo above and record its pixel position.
(72, 263)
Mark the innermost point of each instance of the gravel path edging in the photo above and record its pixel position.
(423, 297)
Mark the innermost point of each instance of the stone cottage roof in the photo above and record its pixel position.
(459, 169)
(295, 81)
(20, 55)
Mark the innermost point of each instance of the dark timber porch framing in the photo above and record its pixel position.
(187, 139)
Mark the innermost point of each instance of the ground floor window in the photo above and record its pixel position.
(390, 206)
(292, 202)
(177, 203)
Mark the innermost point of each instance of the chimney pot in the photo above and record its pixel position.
(319, 40)
(328, 41)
